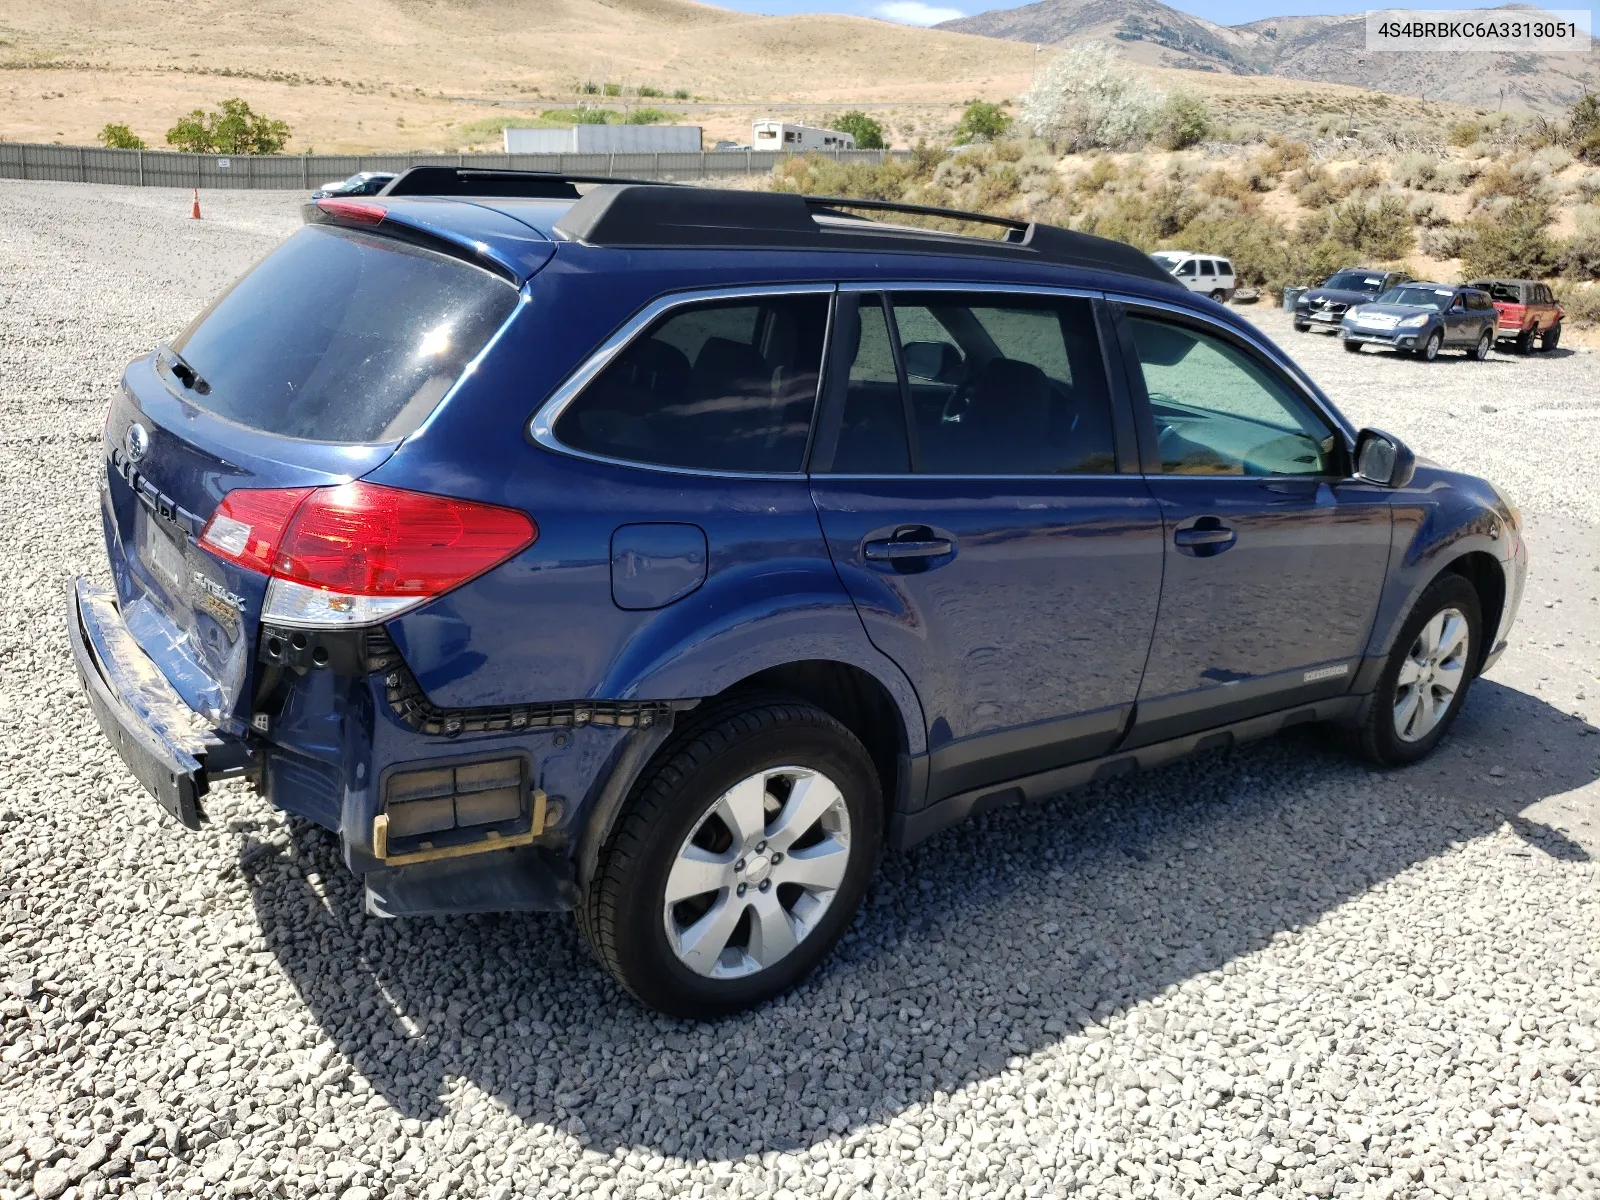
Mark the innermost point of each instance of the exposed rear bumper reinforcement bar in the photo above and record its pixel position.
(142, 714)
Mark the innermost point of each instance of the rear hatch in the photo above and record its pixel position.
(1511, 316)
(307, 373)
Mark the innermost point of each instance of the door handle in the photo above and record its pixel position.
(895, 550)
(1205, 537)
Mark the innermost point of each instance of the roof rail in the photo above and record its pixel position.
(639, 214)
(656, 216)
(478, 181)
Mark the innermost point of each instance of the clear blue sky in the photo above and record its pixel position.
(1224, 12)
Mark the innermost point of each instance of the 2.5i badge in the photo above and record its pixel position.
(1327, 673)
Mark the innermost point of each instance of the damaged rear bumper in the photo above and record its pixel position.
(160, 738)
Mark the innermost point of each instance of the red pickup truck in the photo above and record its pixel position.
(1527, 309)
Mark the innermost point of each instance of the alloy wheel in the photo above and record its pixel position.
(1431, 675)
(758, 871)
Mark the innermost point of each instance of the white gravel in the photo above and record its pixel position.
(1265, 972)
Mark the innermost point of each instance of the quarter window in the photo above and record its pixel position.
(1220, 411)
(727, 385)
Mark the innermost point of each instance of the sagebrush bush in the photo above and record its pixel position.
(1581, 301)
(1282, 155)
(1182, 121)
(1579, 256)
(1513, 242)
(1518, 178)
(1375, 226)
(1416, 171)
(1448, 241)
(1464, 133)
(1426, 213)
(1088, 99)
(1587, 187)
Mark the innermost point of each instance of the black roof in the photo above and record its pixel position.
(640, 215)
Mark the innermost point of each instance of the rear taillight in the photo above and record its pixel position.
(249, 523)
(360, 552)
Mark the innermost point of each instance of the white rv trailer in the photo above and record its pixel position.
(780, 135)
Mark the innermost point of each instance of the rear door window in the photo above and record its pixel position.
(340, 335)
(993, 385)
(725, 385)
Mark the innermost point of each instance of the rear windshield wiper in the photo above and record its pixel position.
(185, 374)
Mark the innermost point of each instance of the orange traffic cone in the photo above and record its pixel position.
(195, 211)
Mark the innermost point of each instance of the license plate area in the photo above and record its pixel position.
(161, 555)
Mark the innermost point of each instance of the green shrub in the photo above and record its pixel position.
(648, 116)
(680, 93)
(649, 93)
(1282, 154)
(1416, 171)
(233, 130)
(589, 88)
(981, 122)
(1584, 128)
(1580, 254)
(576, 116)
(1464, 133)
(1581, 302)
(120, 137)
(1374, 227)
(1515, 242)
(867, 132)
(612, 89)
(1183, 121)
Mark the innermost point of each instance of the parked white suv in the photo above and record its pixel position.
(1200, 272)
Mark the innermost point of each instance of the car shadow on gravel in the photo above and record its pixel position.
(993, 940)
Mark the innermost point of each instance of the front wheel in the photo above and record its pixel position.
(1352, 347)
(1425, 681)
(1551, 338)
(1430, 348)
(1302, 327)
(1481, 350)
(738, 862)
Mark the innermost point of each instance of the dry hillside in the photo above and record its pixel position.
(370, 74)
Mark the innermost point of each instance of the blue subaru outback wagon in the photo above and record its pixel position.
(664, 553)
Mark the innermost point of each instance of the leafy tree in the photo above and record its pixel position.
(867, 132)
(1380, 228)
(234, 130)
(1182, 122)
(120, 137)
(981, 122)
(1087, 99)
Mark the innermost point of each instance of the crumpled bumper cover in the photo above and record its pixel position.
(163, 742)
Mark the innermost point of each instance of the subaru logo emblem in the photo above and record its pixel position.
(136, 441)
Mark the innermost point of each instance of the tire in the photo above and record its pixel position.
(720, 764)
(1391, 736)
(1352, 347)
(1481, 350)
(1551, 338)
(1219, 295)
(1301, 327)
(1430, 348)
(1524, 341)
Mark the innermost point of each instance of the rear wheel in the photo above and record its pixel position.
(1425, 681)
(1219, 295)
(1551, 338)
(1430, 348)
(1524, 341)
(1481, 350)
(739, 860)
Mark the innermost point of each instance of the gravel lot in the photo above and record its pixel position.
(1269, 971)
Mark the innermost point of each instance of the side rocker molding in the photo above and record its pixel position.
(907, 829)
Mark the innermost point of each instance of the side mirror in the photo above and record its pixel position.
(1383, 459)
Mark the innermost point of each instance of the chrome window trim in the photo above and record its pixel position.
(1287, 366)
(1019, 289)
(541, 426)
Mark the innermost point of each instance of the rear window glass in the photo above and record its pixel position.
(342, 336)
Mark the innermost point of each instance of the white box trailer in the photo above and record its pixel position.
(604, 139)
(782, 135)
